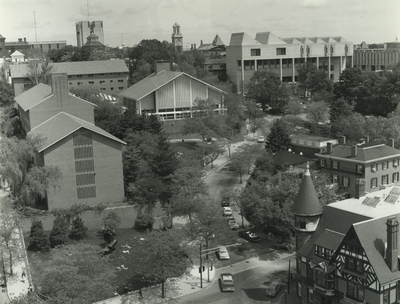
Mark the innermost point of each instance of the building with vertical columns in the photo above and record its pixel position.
(381, 59)
(84, 28)
(351, 255)
(89, 158)
(246, 55)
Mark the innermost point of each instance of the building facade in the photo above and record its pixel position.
(84, 28)
(177, 38)
(89, 158)
(42, 47)
(246, 55)
(309, 145)
(377, 59)
(360, 168)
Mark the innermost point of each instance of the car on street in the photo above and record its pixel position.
(285, 246)
(226, 282)
(233, 224)
(226, 211)
(249, 236)
(223, 253)
(261, 139)
(273, 289)
(225, 203)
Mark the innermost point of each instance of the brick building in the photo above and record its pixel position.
(246, 55)
(89, 158)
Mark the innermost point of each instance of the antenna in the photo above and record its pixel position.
(88, 15)
(122, 39)
(34, 22)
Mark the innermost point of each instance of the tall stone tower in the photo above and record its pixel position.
(177, 38)
(3, 51)
(307, 210)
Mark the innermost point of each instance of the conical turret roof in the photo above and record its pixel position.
(306, 202)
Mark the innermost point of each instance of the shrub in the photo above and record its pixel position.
(58, 234)
(38, 239)
(144, 221)
(78, 229)
(111, 222)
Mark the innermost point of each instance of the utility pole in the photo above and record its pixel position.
(288, 281)
(201, 269)
(88, 15)
(34, 22)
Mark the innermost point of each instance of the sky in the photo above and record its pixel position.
(130, 21)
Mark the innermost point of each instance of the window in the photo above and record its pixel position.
(298, 289)
(355, 291)
(345, 181)
(239, 64)
(120, 88)
(335, 164)
(386, 296)
(385, 179)
(102, 81)
(302, 224)
(305, 143)
(281, 51)
(120, 80)
(91, 82)
(395, 177)
(78, 76)
(255, 52)
(354, 264)
(385, 165)
(374, 182)
(374, 168)
(249, 64)
(70, 83)
(359, 168)
(102, 89)
(310, 295)
(80, 83)
(101, 74)
(323, 162)
(335, 179)
(395, 163)
(332, 67)
(90, 75)
(112, 89)
(111, 81)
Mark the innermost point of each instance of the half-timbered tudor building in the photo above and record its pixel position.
(347, 254)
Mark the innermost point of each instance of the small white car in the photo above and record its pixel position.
(226, 281)
(223, 253)
(233, 224)
(227, 211)
(261, 139)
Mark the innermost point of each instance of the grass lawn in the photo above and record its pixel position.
(133, 261)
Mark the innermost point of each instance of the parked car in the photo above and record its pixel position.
(233, 224)
(249, 236)
(261, 139)
(225, 203)
(223, 253)
(226, 282)
(285, 246)
(226, 211)
(273, 289)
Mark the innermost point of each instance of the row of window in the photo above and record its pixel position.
(385, 179)
(101, 82)
(360, 168)
(97, 75)
(275, 63)
(323, 252)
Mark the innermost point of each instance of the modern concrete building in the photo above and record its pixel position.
(246, 55)
(84, 28)
(347, 252)
(42, 47)
(382, 59)
(89, 158)
(361, 168)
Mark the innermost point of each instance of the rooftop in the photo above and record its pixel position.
(91, 67)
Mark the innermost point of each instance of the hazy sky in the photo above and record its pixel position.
(134, 20)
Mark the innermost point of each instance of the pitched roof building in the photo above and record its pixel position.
(89, 158)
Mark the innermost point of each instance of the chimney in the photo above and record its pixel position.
(354, 151)
(329, 148)
(161, 65)
(19, 39)
(24, 39)
(59, 88)
(342, 139)
(392, 251)
(391, 142)
(201, 42)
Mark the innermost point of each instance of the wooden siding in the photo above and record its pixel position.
(199, 90)
(182, 92)
(165, 96)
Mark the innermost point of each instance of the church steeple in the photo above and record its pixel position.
(307, 209)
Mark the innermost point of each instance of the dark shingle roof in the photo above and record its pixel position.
(61, 125)
(330, 239)
(90, 67)
(289, 158)
(33, 96)
(306, 201)
(373, 236)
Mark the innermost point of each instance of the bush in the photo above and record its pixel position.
(111, 222)
(144, 221)
(78, 229)
(38, 239)
(58, 234)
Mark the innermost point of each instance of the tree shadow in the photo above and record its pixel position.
(257, 294)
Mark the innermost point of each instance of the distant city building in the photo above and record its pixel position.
(21, 45)
(93, 44)
(361, 168)
(177, 38)
(89, 158)
(42, 47)
(85, 28)
(246, 55)
(377, 59)
(108, 76)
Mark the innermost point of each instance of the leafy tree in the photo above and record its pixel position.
(278, 139)
(11, 123)
(59, 232)
(346, 87)
(212, 149)
(39, 72)
(339, 108)
(326, 194)
(264, 167)
(239, 164)
(294, 107)
(111, 222)
(318, 112)
(38, 240)
(78, 230)
(352, 126)
(314, 80)
(144, 221)
(74, 274)
(9, 231)
(265, 88)
(6, 94)
(167, 257)
(251, 153)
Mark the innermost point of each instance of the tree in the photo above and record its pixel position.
(9, 231)
(251, 153)
(239, 164)
(144, 221)
(6, 94)
(212, 149)
(78, 229)
(38, 240)
(347, 86)
(318, 112)
(294, 107)
(265, 88)
(166, 257)
(278, 139)
(11, 123)
(39, 72)
(111, 222)
(314, 80)
(74, 274)
(59, 232)
(339, 108)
